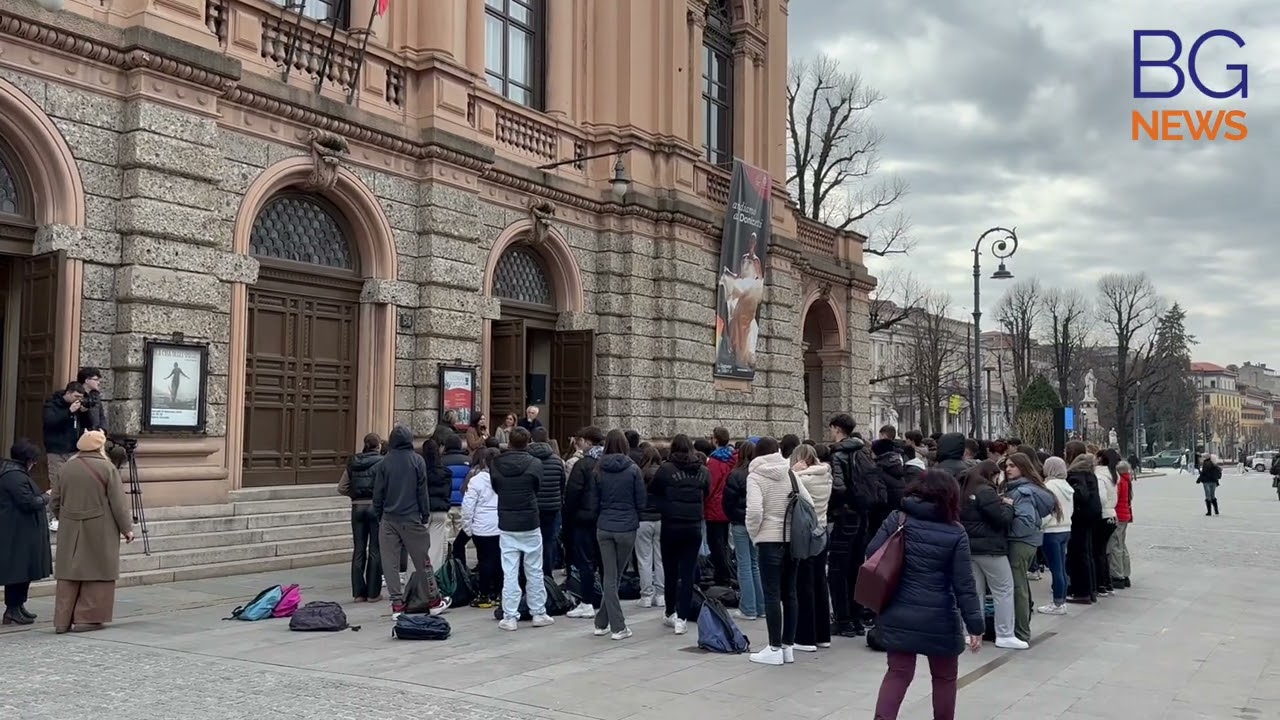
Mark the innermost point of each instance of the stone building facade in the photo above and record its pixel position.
(337, 232)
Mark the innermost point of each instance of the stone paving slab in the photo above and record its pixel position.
(1197, 637)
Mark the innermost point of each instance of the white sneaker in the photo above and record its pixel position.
(803, 648)
(1051, 609)
(1011, 643)
(626, 633)
(53, 526)
(645, 602)
(824, 644)
(788, 653)
(508, 624)
(582, 610)
(543, 620)
(670, 620)
(739, 615)
(768, 656)
(681, 626)
(599, 632)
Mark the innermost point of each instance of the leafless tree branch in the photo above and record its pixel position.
(1128, 308)
(1018, 314)
(897, 294)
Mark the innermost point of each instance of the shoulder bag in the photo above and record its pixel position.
(879, 575)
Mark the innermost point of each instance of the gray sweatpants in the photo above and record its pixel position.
(992, 571)
(395, 535)
(615, 552)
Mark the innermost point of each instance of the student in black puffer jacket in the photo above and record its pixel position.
(683, 483)
(550, 497)
(578, 516)
(439, 492)
(357, 484)
(987, 519)
(751, 589)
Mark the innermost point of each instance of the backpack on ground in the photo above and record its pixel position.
(557, 602)
(260, 607)
(421, 627)
(456, 582)
(808, 532)
(629, 581)
(716, 630)
(873, 640)
(320, 616)
(573, 584)
(290, 599)
(418, 598)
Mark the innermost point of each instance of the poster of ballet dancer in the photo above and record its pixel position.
(743, 251)
(177, 375)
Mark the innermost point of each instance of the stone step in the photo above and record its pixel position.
(279, 563)
(226, 523)
(234, 538)
(210, 555)
(264, 507)
(285, 492)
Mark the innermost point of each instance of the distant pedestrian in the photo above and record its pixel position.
(1209, 478)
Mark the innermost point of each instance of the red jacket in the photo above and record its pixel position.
(1124, 498)
(720, 467)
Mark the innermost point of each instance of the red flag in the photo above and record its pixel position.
(382, 7)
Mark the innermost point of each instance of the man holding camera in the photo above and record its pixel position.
(93, 409)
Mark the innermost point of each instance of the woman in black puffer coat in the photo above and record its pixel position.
(1086, 514)
(986, 518)
(750, 588)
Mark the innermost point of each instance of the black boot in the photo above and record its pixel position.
(1208, 508)
(1215, 506)
(26, 613)
(13, 617)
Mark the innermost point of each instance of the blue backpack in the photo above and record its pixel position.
(261, 607)
(716, 630)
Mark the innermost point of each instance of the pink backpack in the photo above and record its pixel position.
(289, 602)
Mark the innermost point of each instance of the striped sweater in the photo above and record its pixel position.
(768, 492)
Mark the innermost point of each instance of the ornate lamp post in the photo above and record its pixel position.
(1003, 246)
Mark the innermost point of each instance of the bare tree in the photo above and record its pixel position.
(1128, 309)
(897, 293)
(1019, 314)
(935, 357)
(834, 155)
(1069, 316)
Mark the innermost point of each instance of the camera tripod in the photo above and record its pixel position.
(130, 446)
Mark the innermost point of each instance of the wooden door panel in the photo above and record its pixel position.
(299, 385)
(37, 349)
(573, 355)
(507, 369)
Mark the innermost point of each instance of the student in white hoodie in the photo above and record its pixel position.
(1057, 531)
(480, 522)
(1108, 477)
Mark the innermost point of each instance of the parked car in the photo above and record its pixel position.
(1261, 461)
(1164, 458)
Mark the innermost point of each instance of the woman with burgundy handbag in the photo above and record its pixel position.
(930, 604)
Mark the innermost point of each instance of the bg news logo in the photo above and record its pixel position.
(1179, 125)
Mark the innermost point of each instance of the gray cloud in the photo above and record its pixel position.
(1045, 93)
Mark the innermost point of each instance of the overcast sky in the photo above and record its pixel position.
(1000, 112)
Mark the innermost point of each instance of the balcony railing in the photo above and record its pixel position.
(524, 133)
(284, 42)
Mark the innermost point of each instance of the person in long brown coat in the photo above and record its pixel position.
(93, 514)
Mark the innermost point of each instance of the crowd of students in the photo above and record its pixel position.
(978, 518)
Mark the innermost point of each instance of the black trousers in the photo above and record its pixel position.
(1081, 574)
(813, 614)
(547, 523)
(718, 544)
(488, 566)
(460, 546)
(778, 577)
(848, 545)
(680, 547)
(16, 594)
(586, 554)
(366, 558)
(1102, 533)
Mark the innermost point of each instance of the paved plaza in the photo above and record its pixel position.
(1197, 637)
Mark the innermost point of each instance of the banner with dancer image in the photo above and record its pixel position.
(743, 251)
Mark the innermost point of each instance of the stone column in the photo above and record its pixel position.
(560, 70)
(697, 23)
(475, 36)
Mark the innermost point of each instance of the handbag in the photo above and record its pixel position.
(878, 577)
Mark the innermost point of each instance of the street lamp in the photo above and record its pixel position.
(989, 369)
(1002, 247)
(620, 183)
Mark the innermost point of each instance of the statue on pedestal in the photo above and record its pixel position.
(1090, 387)
(1113, 440)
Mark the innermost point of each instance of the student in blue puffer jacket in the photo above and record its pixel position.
(457, 463)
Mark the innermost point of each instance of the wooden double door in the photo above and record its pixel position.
(30, 289)
(571, 398)
(300, 378)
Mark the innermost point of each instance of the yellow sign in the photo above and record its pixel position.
(953, 404)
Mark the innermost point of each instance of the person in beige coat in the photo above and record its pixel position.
(93, 514)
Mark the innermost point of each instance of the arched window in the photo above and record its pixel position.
(717, 83)
(12, 197)
(302, 229)
(522, 276)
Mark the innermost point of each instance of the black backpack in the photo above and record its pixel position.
(417, 596)
(320, 616)
(557, 602)
(421, 627)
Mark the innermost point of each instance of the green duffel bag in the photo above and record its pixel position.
(456, 582)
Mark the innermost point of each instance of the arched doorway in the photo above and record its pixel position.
(302, 348)
(532, 361)
(824, 356)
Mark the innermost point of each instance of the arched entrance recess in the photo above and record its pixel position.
(529, 359)
(39, 294)
(824, 358)
(317, 360)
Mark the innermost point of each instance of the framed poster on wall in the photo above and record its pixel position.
(177, 376)
(458, 392)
